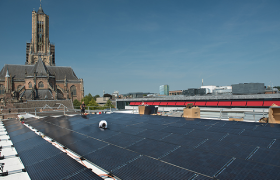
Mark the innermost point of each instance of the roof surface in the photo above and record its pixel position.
(157, 147)
(18, 71)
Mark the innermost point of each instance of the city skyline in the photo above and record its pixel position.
(136, 46)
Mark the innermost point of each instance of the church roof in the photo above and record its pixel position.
(40, 68)
(18, 72)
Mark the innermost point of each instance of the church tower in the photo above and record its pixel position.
(40, 46)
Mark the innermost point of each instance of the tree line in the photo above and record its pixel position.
(91, 101)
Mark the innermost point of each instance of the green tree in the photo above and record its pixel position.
(109, 104)
(278, 87)
(96, 96)
(76, 104)
(93, 103)
(87, 99)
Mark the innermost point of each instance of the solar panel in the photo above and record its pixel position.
(55, 167)
(44, 161)
(70, 138)
(262, 134)
(249, 140)
(123, 140)
(38, 153)
(15, 127)
(153, 126)
(274, 144)
(206, 134)
(22, 137)
(242, 169)
(153, 148)
(225, 130)
(176, 130)
(102, 134)
(168, 147)
(84, 174)
(198, 161)
(183, 140)
(147, 168)
(132, 130)
(86, 146)
(111, 157)
(29, 143)
(227, 148)
(153, 134)
(19, 132)
(266, 156)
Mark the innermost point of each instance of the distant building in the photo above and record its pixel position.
(209, 89)
(194, 92)
(248, 88)
(222, 90)
(136, 95)
(174, 93)
(164, 90)
(115, 94)
(102, 100)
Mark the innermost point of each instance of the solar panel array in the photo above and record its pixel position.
(150, 147)
(41, 159)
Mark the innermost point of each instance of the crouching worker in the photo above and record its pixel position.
(103, 124)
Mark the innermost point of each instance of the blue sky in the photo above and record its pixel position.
(138, 45)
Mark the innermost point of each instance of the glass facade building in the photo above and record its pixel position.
(164, 90)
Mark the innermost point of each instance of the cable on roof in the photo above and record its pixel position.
(107, 175)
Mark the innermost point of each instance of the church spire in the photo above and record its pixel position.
(40, 11)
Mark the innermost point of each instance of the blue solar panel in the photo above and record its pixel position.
(206, 134)
(123, 140)
(15, 127)
(59, 166)
(249, 140)
(132, 130)
(258, 133)
(266, 156)
(198, 161)
(242, 169)
(224, 130)
(84, 174)
(153, 134)
(134, 144)
(70, 138)
(29, 143)
(183, 140)
(153, 148)
(111, 157)
(19, 132)
(38, 153)
(102, 134)
(147, 168)
(227, 148)
(176, 130)
(152, 126)
(86, 146)
(22, 137)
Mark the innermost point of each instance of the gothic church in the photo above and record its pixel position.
(39, 78)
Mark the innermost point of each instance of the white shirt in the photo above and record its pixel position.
(101, 122)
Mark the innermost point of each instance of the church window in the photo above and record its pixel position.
(73, 90)
(2, 89)
(30, 85)
(41, 84)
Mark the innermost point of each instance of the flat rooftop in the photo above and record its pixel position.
(153, 147)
